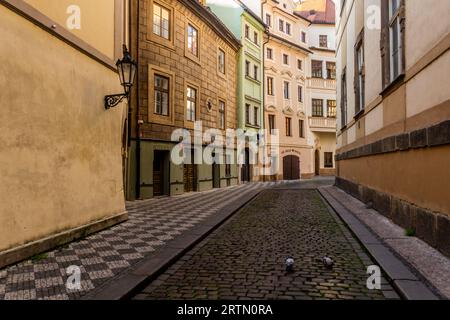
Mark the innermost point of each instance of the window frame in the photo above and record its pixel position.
(222, 114)
(288, 126)
(359, 78)
(331, 106)
(315, 107)
(170, 43)
(321, 38)
(152, 116)
(286, 90)
(270, 85)
(301, 128)
(313, 73)
(188, 52)
(224, 71)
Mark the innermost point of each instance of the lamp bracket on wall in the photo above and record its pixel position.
(112, 101)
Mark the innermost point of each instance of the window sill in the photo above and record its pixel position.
(395, 84)
(359, 114)
(252, 80)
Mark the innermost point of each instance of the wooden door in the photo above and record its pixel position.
(291, 168)
(190, 177)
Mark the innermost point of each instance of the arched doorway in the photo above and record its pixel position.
(317, 162)
(291, 167)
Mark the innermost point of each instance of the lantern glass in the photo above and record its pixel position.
(127, 71)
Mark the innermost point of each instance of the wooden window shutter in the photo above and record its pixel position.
(384, 43)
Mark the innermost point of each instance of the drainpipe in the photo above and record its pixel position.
(264, 75)
(138, 133)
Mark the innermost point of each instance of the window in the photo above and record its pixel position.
(331, 108)
(247, 113)
(228, 170)
(247, 68)
(288, 127)
(288, 28)
(316, 69)
(221, 61)
(301, 128)
(256, 116)
(317, 108)
(161, 21)
(328, 160)
(286, 89)
(191, 103)
(270, 53)
(247, 31)
(303, 36)
(192, 37)
(270, 86)
(331, 70)
(285, 59)
(281, 25)
(221, 115)
(255, 37)
(395, 37)
(300, 94)
(392, 40)
(323, 41)
(344, 99)
(272, 123)
(299, 64)
(359, 74)
(161, 95)
(269, 20)
(255, 72)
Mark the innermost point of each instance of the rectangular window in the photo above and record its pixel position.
(255, 38)
(192, 37)
(331, 108)
(299, 64)
(331, 70)
(221, 61)
(270, 53)
(281, 25)
(255, 72)
(285, 59)
(161, 95)
(247, 68)
(359, 75)
(323, 41)
(344, 99)
(288, 127)
(301, 128)
(395, 52)
(328, 160)
(288, 28)
(191, 101)
(247, 113)
(221, 115)
(161, 21)
(247, 31)
(317, 107)
(300, 94)
(270, 86)
(316, 69)
(272, 123)
(286, 90)
(256, 116)
(268, 20)
(303, 37)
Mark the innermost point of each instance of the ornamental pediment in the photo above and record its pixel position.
(270, 108)
(288, 110)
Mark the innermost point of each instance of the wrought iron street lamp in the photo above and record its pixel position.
(126, 68)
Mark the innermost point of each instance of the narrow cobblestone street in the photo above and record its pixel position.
(245, 258)
(102, 256)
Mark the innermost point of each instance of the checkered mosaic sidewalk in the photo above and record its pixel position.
(105, 254)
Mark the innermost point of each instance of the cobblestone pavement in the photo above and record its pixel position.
(105, 254)
(245, 258)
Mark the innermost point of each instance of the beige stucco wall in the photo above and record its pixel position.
(60, 151)
(96, 20)
(405, 175)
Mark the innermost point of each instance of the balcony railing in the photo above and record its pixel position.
(321, 124)
(319, 83)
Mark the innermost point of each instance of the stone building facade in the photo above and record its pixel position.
(187, 72)
(394, 111)
(60, 150)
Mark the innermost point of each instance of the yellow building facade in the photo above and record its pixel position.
(60, 150)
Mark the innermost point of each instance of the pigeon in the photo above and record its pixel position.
(290, 264)
(327, 262)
